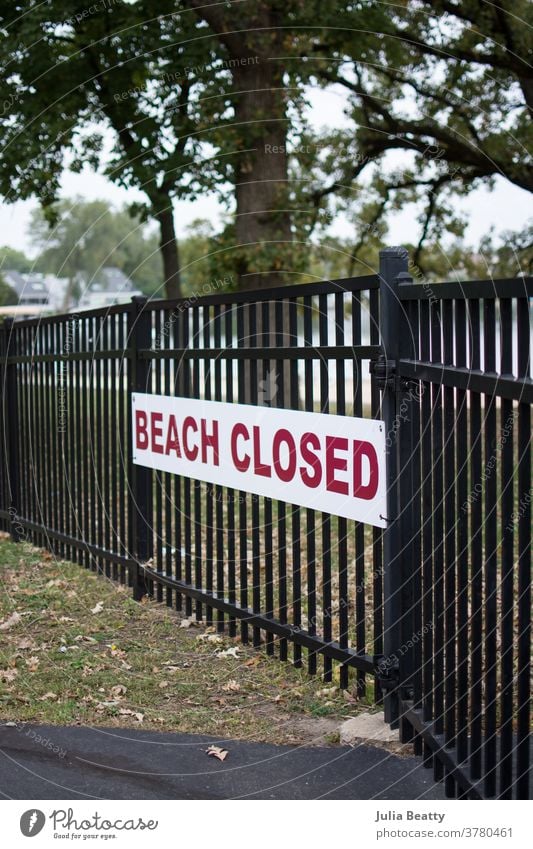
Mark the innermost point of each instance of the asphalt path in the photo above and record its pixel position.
(49, 762)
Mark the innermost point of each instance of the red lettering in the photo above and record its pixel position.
(259, 467)
(308, 441)
(209, 440)
(360, 450)
(156, 432)
(336, 464)
(141, 430)
(244, 464)
(282, 435)
(191, 453)
(173, 442)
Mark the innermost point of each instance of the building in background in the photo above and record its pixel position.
(107, 287)
(32, 289)
(46, 293)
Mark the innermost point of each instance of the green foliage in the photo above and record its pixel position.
(90, 235)
(14, 260)
(8, 296)
(446, 85)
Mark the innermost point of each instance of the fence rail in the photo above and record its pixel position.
(432, 616)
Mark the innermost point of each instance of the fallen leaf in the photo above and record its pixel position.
(98, 607)
(163, 685)
(10, 621)
(118, 690)
(48, 697)
(32, 663)
(8, 674)
(186, 623)
(210, 638)
(217, 752)
(231, 687)
(26, 643)
(232, 652)
(253, 661)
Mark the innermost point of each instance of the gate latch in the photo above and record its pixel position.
(383, 371)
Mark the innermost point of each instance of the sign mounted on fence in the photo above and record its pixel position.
(324, 462)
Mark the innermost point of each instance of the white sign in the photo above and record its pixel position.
(325, 462)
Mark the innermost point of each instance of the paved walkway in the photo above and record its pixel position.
(45, 762)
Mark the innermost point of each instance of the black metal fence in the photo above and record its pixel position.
(432, 615)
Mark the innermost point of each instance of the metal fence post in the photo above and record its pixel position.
(392, 262)
(140, 479)
(10, 435)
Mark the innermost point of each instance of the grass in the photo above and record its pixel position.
(76, 649)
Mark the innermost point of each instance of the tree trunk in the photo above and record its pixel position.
(263, 225)
(169, 252)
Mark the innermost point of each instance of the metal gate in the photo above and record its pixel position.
(430, 616)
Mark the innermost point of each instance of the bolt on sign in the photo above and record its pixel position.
(336, 464)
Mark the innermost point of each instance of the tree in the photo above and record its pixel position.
(13, 260)
(254, 116)
(8, 296)
(71, 72)
(90, 235)
(447, 83)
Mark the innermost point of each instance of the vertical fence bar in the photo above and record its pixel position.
(408, 565)
(523, 731)
(327, 628)
(476, 551)
(505, 450)
(490, 560)
(359, 528)
(294, 396)
(11, 429)
(342, 524)
(310, 514)
(377, 533)
(267, 398)
(392, 262)
(140, 479)
(462, 538)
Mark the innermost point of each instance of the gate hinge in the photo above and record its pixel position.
(387, 672)
(383, 371)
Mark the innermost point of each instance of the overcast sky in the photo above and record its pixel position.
(505, 208)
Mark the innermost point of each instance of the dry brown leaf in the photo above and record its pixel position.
(48, 697)
(217, 752)
(32, 663)
(231, 687)
(10, 621)
(253, 661)
(8, 674)
(26, 643)
(99, 606)
(118, 690)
